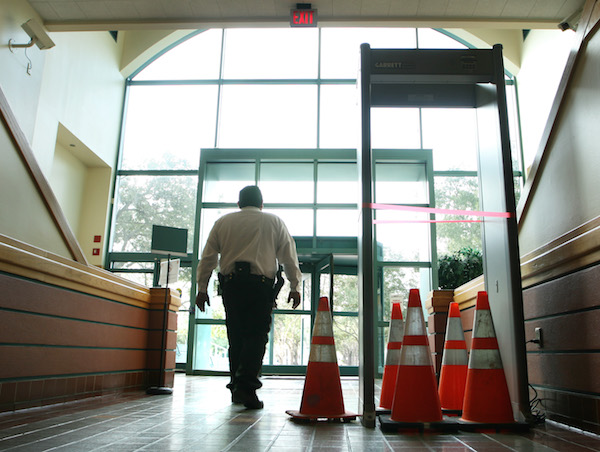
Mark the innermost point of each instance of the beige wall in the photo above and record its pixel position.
(21, 90)
(77, 86)
(566, 194)
(545, 54)
(82, 89)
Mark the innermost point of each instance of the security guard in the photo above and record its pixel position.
(251, 245)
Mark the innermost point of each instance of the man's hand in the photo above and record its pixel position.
(202, 300)
(294, 298)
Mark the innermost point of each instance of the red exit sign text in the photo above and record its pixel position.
(303, 18)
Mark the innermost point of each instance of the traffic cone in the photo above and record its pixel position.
(453, 375)
(487, 401)
(392, 359)
(416, 402)
(322, 396)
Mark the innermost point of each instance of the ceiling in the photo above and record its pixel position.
(72, 15)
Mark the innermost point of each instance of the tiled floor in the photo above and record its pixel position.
(199, 417)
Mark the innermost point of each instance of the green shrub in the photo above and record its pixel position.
(459, 267)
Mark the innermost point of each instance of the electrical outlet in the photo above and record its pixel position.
(539, 337)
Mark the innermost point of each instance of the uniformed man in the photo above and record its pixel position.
(248, 245)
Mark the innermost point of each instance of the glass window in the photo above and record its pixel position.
(300, 222)
(147, 200)
(395, 128)
(340, 47)
(291, 340)
(287, 182)
(337, 223)
(145, 279)
(267, 53)
(345, 332)
(397, 281)
(402, 237)
(167, 125)
(401, 183)
(197, 58)
(337, 183)
(452, 135)
(459, 193)
(282, 298)
(207, 220)
(223, 181)
(339, 117)
(345, 296)
(211, 350)
(268, 116)
(433, 39)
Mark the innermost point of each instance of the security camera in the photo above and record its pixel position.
(37, 34)
(564, 26)
(571, 22)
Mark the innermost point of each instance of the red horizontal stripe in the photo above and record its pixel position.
(484, 343)
(455, 345)
(394, 345)
(474, 213)
(322, 340)
(415, 340)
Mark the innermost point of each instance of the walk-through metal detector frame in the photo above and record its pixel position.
(469, 78)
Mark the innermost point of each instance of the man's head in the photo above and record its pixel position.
(250, 196)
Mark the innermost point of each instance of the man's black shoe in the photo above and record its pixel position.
(235, 400)
(249, 399)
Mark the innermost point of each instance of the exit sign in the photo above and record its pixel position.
(303, 18)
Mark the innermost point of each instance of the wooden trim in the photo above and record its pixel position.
(572, 251)
(40, 181)
(466, 295)
(588, 24)
(24, 260)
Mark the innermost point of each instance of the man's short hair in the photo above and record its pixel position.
(250, 196)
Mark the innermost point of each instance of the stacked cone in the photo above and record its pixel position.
(416, 399)
(487, 400)
(453, 376)
(322, 396)
(392, 359)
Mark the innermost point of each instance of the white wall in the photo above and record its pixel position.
(21, 90)
(545, 54)
(67, 179)
(77, 84)
(82, 89)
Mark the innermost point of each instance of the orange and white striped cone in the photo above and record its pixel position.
(322, 396)
(487, 401)
(392, 359)
(453, 376)
(416, 402)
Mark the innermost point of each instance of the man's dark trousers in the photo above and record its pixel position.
(248, 305)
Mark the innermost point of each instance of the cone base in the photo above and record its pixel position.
(344, 417)
(469, 426)
(388, 425)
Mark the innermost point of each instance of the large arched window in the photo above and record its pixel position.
(273, 91)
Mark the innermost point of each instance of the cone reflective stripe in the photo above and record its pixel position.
(453, 376)
(416, 397)
(392, 359)
(486, 395)
(322, 396)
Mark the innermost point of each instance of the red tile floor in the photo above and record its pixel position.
(199, 416)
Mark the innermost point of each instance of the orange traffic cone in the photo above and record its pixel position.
(487, 401)
(416, 400)
(453, 375)
(322, 397)
(392, 359)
